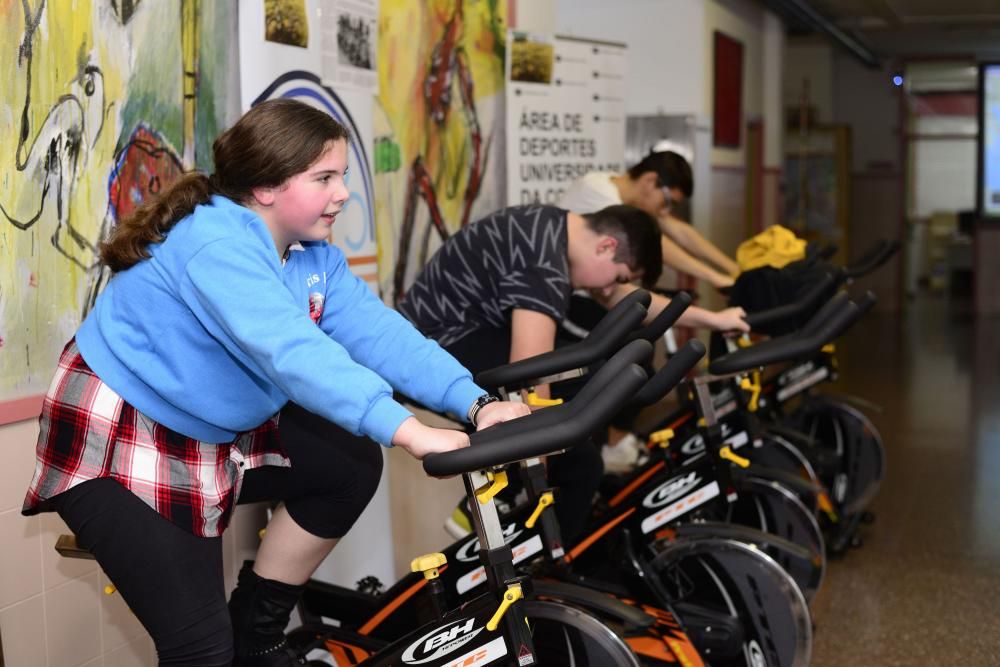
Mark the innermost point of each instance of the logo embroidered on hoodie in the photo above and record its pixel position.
(315, 306)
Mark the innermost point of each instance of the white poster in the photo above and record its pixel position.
(565, 113)
(281, 56)
(349, 44)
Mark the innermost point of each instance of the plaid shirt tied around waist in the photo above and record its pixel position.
(88, 432)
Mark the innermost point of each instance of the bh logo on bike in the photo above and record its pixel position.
(440, 642)
(671, 490)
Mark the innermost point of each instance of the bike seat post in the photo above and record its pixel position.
(533, 471)
(485, 520)
(497, 558)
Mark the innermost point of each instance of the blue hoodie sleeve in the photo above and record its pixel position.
(235, 290)
(384, 341)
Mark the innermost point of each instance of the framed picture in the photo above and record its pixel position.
(727, 113)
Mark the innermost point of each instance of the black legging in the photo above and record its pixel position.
(577, 472)
(173, 580)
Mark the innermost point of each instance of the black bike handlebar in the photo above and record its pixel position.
(671, 374)
(637, 352)
(872, 259)
(666, 319)
(603, 339)
(762, 318)
(550, 430)
(821, 316)
(786, 348)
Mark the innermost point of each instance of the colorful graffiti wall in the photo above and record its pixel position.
(439, 127)
(101, 103)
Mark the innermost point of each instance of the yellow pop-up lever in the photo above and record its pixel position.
(497, 483)
(512, 595)
(428, 564)
(728, 454)
(829, 348)
(826, 505)
(544, 501)
(661, 437)
(536, 401)
(753, 386)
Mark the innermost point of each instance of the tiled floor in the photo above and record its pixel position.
(925, 586)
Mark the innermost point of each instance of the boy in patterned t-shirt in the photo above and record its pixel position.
(496, 291)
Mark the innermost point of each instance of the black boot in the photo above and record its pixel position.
(260, 609)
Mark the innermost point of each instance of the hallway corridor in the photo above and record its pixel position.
(924, 589)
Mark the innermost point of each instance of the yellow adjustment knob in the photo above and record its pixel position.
(729, 455)
(497, 483)
(544, 501)
(701, 422)
(661, 437)
(753, 386)
(109, 589)
(428, 564)
(829, 348)
(510, 596)
(261, 533)
(536, 401)
(743, 341)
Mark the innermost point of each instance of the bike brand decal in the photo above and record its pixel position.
(722, 398)
(757, 658)
(815, 377)
(482, 655)
(793, 374)
(682, 506)
(523, 550)
(671, 490)
(441, 641)
(840, 487)
(696, 443)
(724, 410)
(470, 550)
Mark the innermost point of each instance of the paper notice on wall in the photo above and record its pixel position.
(281, 56)
(565, 113)
(349, 43)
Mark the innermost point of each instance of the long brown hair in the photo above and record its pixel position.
(271, 143)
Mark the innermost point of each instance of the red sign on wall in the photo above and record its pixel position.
(728, 106)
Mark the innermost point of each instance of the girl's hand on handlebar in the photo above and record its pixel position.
(501, 411)
(420, 440)
(731, 320)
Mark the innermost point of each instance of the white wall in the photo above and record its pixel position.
(866, 100)
(666, 71)
(808, 60)
(744, 22)
(772, 107)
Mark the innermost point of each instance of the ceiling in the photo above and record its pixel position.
(898, 28)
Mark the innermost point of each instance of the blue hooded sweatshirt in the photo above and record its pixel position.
(213, 334)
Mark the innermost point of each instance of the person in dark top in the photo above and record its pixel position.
(496, 291)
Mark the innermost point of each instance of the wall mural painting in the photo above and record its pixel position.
(102, 102)
(438, 121)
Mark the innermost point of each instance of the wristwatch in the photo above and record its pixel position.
(482, 401)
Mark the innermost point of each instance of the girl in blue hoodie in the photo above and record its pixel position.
(234, 357)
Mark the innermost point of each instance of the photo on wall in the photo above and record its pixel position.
(286, 22)
(531, 59)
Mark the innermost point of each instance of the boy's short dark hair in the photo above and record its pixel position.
(638, 238)
(670, 167)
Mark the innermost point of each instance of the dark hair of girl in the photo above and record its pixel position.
(272, 142)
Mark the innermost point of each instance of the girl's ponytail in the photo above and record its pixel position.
(128, 243)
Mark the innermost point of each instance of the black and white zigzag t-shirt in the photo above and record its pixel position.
(514, 258)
